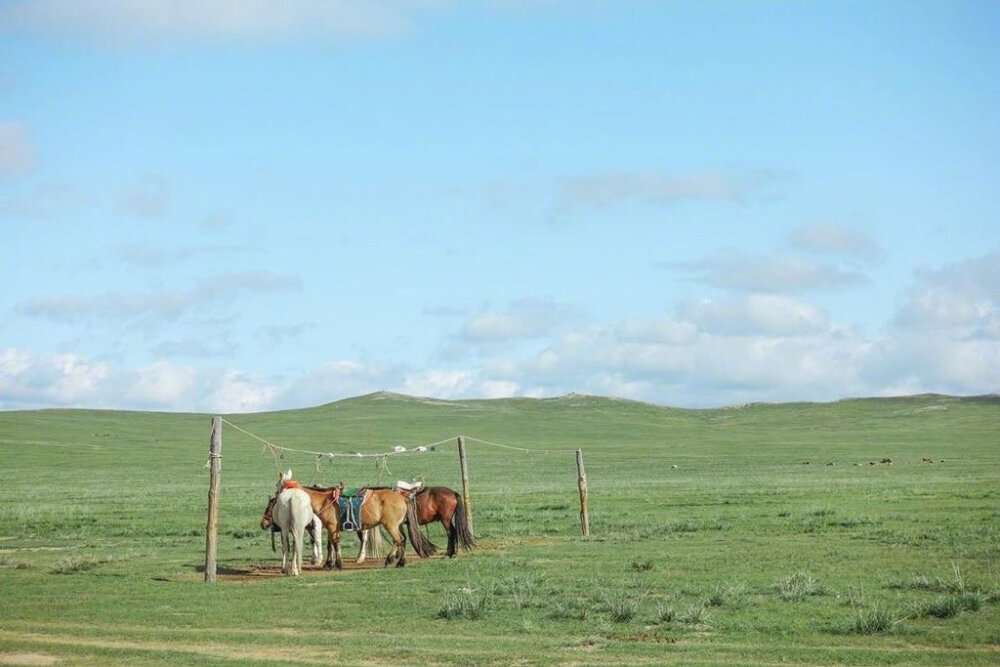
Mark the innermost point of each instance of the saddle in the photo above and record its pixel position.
(349, 507)
(408, 490)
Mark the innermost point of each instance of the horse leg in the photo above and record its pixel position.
(317, 539)
(298, 536)
(398, 547)
(363, 538)
(328, 563)
(449, 527)
(284, 551)
(338, 563)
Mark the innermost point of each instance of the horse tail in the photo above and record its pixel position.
(421, 544)
(460, 522)
(375, 545)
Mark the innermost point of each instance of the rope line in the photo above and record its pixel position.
(520, 449)
(383, 463)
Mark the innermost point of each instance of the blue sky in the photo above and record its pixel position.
(240, 206)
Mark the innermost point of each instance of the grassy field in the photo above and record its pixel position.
(762, 534)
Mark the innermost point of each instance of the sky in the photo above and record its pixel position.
(242, 206)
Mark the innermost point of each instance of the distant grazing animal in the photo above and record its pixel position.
(291, 513)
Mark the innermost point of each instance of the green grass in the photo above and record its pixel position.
(712, 540)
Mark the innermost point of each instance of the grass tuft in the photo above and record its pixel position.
(622, 606)
(464, 604)
(13, 563)
(75, 564)
(798, 587)
(953, 605)
(694, 615)
(874, 620)
(665, 613)
(641, 565)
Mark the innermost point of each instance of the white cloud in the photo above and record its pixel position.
(706, 368)
(438, 383)
(62, 379)
(161, 383)
(147, 255)
(236, 391)
(755, 313)
(152, 309)
(67, 380)
(946, 336)
(523, 319)
(150, 22)
(964, 296)
(754, 347)
(500, 326)
(766, 273)
(338, 379)
(17, 152)
(827, 238)
(604, 190)
(149, 198)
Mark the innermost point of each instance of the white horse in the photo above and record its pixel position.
(292, 513)
(314, 527)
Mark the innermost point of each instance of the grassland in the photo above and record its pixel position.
(755, 535)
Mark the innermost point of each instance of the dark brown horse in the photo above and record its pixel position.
(445, 505)
(439, 503)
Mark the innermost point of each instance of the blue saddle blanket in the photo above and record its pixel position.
(350, 512)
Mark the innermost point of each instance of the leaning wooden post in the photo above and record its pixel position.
(582, 481)
(215, 466)
(465, 481)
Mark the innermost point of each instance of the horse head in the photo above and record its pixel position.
(283, 478)
(266, 521)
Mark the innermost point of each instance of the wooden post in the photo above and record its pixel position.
(463, 462)
(582, 481)
(215, 466)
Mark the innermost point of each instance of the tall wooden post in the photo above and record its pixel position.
(463, 462)
(582, 482)
(215, 467)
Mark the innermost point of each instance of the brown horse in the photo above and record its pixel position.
(381, 507)
(439, 503)
(445, 505)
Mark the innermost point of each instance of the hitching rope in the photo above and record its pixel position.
(384, 456)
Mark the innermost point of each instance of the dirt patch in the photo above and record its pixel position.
(249, 572)
(27, 659)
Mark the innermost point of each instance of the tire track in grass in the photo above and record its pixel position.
(211, 650)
